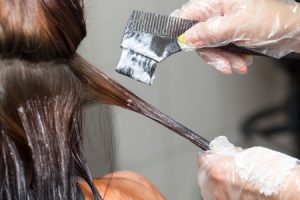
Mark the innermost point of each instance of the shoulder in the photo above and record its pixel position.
(124, 185)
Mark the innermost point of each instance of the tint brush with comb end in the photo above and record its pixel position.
(150, 38)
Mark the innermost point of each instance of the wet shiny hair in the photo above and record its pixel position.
(43, 84)
(41, 151)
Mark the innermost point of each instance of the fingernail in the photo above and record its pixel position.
(222, 67)
(240, 67)
(243, 70)
(182, 39)
(184, 45)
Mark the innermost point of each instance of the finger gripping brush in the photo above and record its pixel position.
(150, 38)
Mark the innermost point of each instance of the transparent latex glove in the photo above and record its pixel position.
(271, 27)
(230, 173)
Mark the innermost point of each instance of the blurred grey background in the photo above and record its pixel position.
(185, 88)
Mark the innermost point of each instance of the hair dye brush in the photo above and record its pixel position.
(150, 38)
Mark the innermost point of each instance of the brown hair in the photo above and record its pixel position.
(41, 29)
(43, 84)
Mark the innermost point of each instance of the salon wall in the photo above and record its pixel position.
(186, 88)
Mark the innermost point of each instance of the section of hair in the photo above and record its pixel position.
(42, 154)
(99, 87)
(41, 29)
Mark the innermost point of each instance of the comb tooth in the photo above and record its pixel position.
(182, 26)
(175, 28)
(145, 21)
(141, 20)
(161, 25)
(171, 26)
(145, 24)
(159, 20)
(150, 23)
(156, 26)
(164, 25)
(168, 24)
(134, 13)
(135, 19)
(151, 27)
(138, 21)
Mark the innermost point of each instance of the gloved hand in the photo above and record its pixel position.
(230, 173)
(271, 27)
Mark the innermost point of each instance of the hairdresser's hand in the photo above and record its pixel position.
(230, 173)
(271, 27)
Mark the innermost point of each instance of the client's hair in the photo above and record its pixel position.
(43, 84)
(41, 147)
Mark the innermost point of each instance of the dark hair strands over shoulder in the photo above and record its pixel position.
(43, 84)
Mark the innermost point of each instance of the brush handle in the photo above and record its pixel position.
(153, 113)
(181, 130)
(235, 49)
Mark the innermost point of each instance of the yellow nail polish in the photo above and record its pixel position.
(184, 44)
(182, 39)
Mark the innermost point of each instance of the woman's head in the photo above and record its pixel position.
(41, 29)
(41, 152)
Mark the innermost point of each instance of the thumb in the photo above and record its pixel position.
(216, 31)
